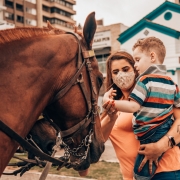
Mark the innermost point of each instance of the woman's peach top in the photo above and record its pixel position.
(125, 144)
(126, 147)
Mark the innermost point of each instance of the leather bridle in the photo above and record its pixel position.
(83, 59)
(69, 134)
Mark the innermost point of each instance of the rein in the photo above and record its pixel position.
(13, 135)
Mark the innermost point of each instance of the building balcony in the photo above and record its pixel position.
(61, 27)
(58, 16)
(71, 1)
(5, 25)
(2, 8)
(60, 6)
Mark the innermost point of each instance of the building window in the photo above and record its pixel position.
(9, 4)
(69, 5)
(45, 8)
(62, 3)
(57, 21)
(20, 19)
(59, 11)
(19, 7)
(31, 10)
(9, 16)
(45, 19)
(31, 22)
(102, 62)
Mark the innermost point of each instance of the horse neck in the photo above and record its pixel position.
(30, 71)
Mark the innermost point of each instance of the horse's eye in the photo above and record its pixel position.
(100, 81)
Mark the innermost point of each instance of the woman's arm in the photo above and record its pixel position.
(107, 124)
(108, 119)
(153, 150)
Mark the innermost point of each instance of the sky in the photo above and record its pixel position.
(127, 12)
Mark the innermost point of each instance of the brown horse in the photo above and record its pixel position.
(37, 69)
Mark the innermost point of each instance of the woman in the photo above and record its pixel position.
(118, 127)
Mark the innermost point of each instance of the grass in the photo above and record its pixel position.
(101, 171)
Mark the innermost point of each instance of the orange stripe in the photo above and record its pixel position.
(159, 100)
(155, 76)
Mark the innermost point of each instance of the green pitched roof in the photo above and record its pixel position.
(163, 7)
(146, 23)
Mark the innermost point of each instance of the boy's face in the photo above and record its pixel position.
(142, 60)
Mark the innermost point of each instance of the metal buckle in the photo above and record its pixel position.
(88, 54)
(91, 53)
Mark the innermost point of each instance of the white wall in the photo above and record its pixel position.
(173, 23)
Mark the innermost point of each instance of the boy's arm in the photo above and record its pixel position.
(121, 105)
(127, 106)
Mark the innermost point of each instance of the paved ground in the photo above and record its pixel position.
(108, 155)
(35, 176)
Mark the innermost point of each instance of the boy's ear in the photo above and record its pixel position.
(153, 57)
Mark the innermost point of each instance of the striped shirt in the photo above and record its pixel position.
(157, 94)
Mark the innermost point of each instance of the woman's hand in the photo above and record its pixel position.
(110, 110)
(151, 152)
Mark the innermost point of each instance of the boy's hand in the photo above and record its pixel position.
(109, 95)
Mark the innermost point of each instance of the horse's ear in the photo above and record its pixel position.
(89, 28)
(49, 26)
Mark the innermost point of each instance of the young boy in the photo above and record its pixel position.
(151, 100)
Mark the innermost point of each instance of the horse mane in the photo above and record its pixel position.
(77, 31)
(9, 35)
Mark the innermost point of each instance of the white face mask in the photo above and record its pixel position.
(124, 80)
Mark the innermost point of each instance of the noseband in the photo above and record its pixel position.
(69, 134)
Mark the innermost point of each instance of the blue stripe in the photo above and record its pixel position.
(155, 105)
(162, 95)
(144, 129)
(157, 79)
(136, 98)
(143, 118)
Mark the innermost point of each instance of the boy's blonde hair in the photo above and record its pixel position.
(152, 44)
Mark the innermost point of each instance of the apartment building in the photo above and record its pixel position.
(25, 13)
(4, 24)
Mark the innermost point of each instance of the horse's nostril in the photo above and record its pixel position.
(50, 146)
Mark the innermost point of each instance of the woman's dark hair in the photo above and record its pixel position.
(117, 56)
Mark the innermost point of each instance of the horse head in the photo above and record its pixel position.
(76, 111)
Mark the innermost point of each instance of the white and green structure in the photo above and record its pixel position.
(164, 23)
